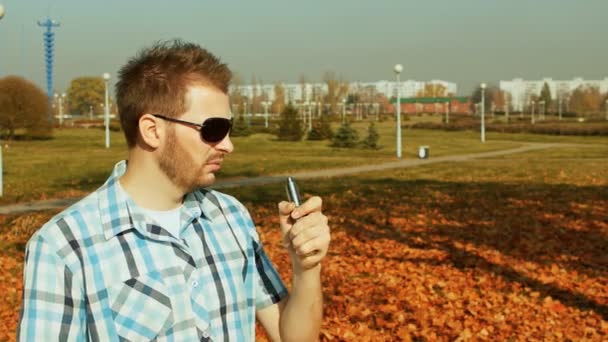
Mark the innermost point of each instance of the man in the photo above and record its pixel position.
(152, 254)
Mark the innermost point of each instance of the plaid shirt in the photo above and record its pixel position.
(101, 271)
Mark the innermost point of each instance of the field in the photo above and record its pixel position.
(506, 248)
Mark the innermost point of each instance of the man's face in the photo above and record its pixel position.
(185, 158)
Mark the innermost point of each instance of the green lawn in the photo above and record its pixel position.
(75, 161)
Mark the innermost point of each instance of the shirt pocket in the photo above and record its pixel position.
(141, 308)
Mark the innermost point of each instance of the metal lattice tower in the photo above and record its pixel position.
(49, 44)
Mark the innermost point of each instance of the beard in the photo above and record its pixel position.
(177, 164)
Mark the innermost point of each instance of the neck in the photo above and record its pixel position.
(148, 186)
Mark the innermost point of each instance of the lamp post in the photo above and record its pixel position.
(532, 113)
(483, 112)
(60, 99)
(309, 107)
(106, 79)
(343, 110)
(398, 69)
(265, 104)
(1, 163)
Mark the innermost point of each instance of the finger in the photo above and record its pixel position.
(285, 209)
(313, 204)
(307, 222)
(307, 235)
(309, 248)
(312, 259)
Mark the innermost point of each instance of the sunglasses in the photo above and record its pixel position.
(212, 130)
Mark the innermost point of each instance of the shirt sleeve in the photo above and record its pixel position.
(269, 288)
(53, 306)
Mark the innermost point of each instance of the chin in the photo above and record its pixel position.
(205, 181)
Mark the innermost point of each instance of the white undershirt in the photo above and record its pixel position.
(167, 219)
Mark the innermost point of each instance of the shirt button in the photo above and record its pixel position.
(195, 283)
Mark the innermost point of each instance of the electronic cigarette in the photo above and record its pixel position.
(293, 194)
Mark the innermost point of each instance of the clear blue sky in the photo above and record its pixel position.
(465, 41)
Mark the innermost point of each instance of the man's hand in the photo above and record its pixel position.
(305, 232)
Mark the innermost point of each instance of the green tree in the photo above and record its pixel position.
(345, 137)
(240, 127)
(321, 129)
(23, 105)
(86, 94)
(489, 94)
(545, 95)
(290, 128)
(371, 141)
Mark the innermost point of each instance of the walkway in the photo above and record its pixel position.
(325, 173)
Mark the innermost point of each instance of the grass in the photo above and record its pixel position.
(75, 161)
(515, 243)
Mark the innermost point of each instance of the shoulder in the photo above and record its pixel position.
(65, 232)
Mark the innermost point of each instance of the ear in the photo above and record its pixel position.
(150, 131)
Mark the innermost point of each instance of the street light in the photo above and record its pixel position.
(106, 78)
(1, 163)
(398, 69)
(483, 112)
(532, 113)
(265, 104)
(60, 99)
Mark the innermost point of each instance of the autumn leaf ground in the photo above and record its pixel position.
(509, 248)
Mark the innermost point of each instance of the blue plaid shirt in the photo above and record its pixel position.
(102, 271)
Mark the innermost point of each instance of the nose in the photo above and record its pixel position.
(225, 145)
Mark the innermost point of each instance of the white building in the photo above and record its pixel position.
(521, 90)
(298, 93)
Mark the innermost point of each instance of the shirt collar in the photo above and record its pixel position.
(120, 213)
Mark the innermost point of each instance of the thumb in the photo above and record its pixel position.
(285, 209)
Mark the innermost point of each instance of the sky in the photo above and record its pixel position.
(466, 42)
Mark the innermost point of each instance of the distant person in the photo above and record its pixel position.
(153, 254)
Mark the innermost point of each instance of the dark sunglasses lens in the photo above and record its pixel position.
(215, 129)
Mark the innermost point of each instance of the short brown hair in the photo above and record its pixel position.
(156, 80)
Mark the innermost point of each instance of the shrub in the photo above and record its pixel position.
(345, 137)
(23, 105)
(240, 128)
(371, 141)
(321, 129)
(290, 128)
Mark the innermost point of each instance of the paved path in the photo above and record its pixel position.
(325, 173)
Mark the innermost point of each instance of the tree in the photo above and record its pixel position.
(321, 129)
(336, 90)
(345, 137)
(545, 95)
(278, 105)
(585, 100)
(371, 141)
(240, 127)
(489, 97)
(23, 105)
(290, 128)
(500, 100)
(86, 94)
(432, 90)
